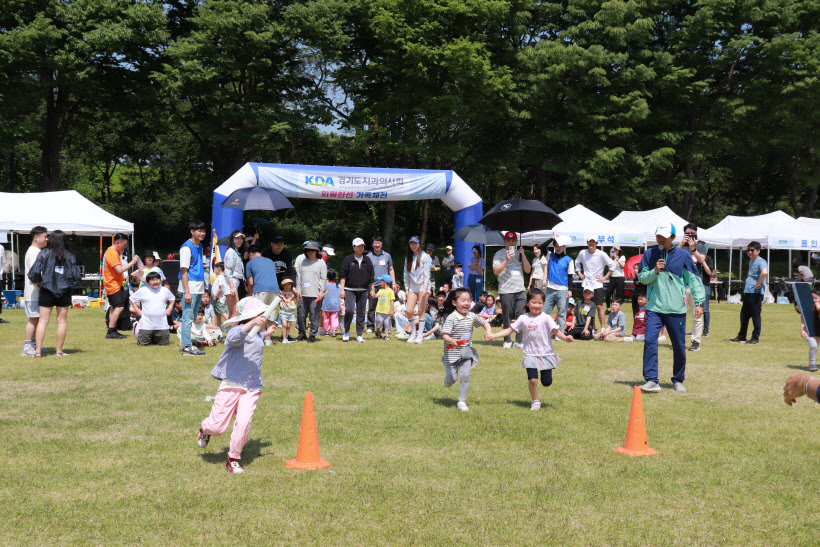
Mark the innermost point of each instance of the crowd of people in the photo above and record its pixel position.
(534, 304)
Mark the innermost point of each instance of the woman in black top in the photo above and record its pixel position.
(56, 271)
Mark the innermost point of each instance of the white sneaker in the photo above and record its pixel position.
(679, 387)
(506, 345)
(412, 339)
(360, 339)
(661, 338)
(402, 335)
(268, 342)
(536, 405)
(651, 387)
(462, 406)
(369, 331)
(419, 339)
(286, 341)
(346, 337)
(28, 351)
(518, 345)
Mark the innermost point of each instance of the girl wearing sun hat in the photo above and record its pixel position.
(239, 371)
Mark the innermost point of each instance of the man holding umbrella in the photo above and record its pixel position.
(510, 265)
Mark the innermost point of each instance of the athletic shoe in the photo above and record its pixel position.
(291, 339)
(192, 351)
(202, 439)
(753, 341)
(360, 339)
(506, 345)
(679, 387)
(4, 322)
(694, 347)
(28, 351)
(517, 345)
(312, 339)
(369, 331)
(301, 338)
(387, 338)
(268, 342)
(345, 337)
(402, 336)
(115, 336)
(737, 340)
(412, 339)
(651, 387)
(661, 338)
(462, 406)
(233, 466)
(288, 341)
(705, 335)
(536, 405)
(419, 339)
(812, 368)
(378, 333)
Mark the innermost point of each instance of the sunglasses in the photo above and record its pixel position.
(693, 234)
(750, 250)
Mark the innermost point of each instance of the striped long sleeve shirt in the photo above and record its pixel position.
(240, 364)
(460, 327)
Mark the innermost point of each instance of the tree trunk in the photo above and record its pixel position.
(425, 214)
(50, 163)
(388, 222)
(541, 181)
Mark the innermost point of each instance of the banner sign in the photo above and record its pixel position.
(794, 243)
(346, 183)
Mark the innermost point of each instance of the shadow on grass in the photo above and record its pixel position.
(444, 401)
(69, 351)
(804, 368)
(251, 451)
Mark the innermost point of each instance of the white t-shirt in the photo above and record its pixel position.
(2, 259)
(220, 282)
(153, 303)
(618, 271)
(593, 267)
(538, 267)
(31, 292)
(195, 287)
(805, 272)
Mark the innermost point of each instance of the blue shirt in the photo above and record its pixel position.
(263, 272)
(382, 263)
(755, 267)
(330, 301)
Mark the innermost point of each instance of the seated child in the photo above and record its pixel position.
(478, 306)
(207, 307)
(287, 308)
(155, 303)
(584, 318)
(458, 277)
(616, 324)
(203, 334)
(488, 312)
(639, 321)
(175, 317)
(570, 317)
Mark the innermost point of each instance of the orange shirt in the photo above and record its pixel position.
(112, 281)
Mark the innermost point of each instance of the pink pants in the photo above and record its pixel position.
(330, 321)
(227, 403)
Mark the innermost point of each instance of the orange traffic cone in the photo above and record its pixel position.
(307, 453)
(636, 443)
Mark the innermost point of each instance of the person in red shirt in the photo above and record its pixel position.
(639, 320)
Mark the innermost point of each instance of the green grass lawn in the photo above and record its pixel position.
(99, 447)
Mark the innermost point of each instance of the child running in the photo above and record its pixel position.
(537, 329)
(459, 355)
(239, 371)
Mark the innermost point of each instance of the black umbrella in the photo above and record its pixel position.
(520, 215)
(260, 221)
(478, 233)
(257, 199)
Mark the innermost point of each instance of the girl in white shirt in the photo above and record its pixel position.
(416, 280)
(234, 270)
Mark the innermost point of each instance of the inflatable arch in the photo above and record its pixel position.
(352, 184)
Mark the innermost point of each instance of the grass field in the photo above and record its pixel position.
(100, 446)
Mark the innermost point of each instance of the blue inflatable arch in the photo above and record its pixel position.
(352, 184)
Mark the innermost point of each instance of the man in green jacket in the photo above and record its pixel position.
(666, 270)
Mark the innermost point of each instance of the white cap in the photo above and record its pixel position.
(561, 241)
(666, 229)
(329, 250)
(358, 241)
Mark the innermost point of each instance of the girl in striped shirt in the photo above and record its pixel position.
(459, 355)
(239, 371)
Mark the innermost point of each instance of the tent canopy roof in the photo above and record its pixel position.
(580, 224)
(68, 211)
(776, 229)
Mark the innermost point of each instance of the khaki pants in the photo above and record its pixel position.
(611, 337)
(697, 324)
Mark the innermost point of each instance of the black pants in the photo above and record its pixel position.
(752, 306)
(355, 301)
(577, 333)
(616, 285)
(371, 311)
(512, 307)
(309, 306)
(546, 376)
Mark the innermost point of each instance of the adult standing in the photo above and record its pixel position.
(590, 264)
(435, 265)
(448, 266)
(539, 269)
(2, 285)
(617, 279)
(282, 259)
(510, 267)
(382, 265)
(475, 279)
(560, 268)
(311, 277)
(355, 285)
(416, 283)
(260, 278)
(192, 283)
(31, 291)
(704, 266)
(667, 270)
(56, 271)
(113, 280)
(753, 292)
(234, 270)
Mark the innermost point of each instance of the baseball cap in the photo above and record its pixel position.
(386, 278)
(431, 247)
(358, 241)
(510, 235)
(278, 239)
(616, 246)
(667, 229)
(561, 241)
(329, 250)
(414, 238)
(448, 247)
(570, 301)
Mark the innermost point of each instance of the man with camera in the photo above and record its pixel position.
(704, 265)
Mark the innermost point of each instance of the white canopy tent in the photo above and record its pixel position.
(67, 210)
(580, 224)
(647, 221)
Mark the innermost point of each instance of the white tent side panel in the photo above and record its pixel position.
(67, 210)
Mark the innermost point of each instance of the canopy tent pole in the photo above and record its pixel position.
(99, 284)
(12, 262)
(788, 273)
(740, 270)
(731, 252)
